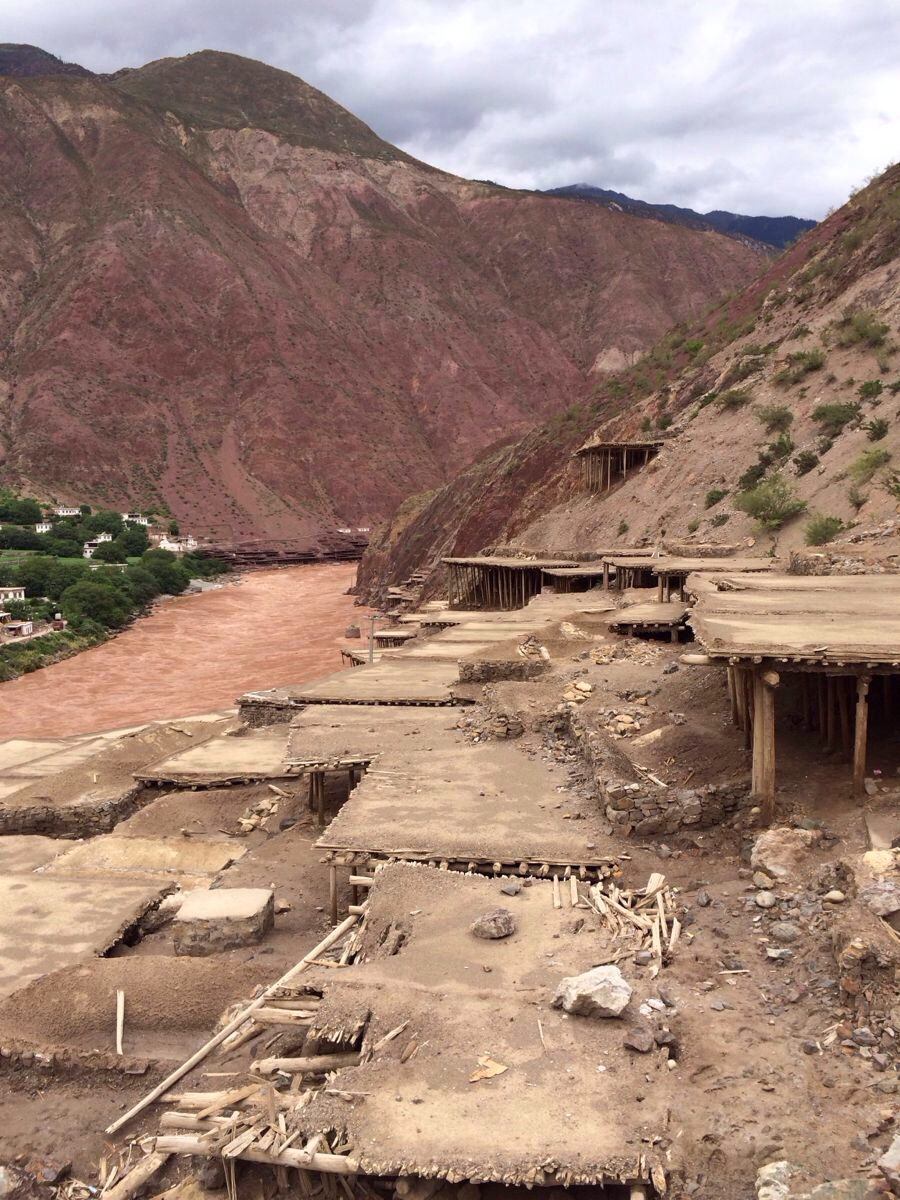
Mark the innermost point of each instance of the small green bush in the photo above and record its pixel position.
(707, 398)
(798, 364)
(663, 421)
(646, 425)
(693, 525)
(713, 496)
(771, 502)
(821, 529)
(623, 529)
(856, 497)
(870, 389)
(776, 418)
(833, 417)
(863, 468)
(734, 398)
(720, 519)
(860, 325)
(805, 461)
(894, 387)
(781, 448)
(752, 476)
(876, 429)
(892, 483)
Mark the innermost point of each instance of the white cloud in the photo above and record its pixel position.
(757, 105)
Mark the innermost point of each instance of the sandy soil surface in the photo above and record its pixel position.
(192, 654)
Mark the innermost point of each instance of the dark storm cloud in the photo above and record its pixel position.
(759, 106)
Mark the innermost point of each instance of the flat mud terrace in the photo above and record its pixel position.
(330, 1025)
(191, 654)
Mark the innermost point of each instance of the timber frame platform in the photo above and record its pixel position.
(485, 582)
(606, 464)
(832, 640)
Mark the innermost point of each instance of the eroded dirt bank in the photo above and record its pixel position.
(191, 654)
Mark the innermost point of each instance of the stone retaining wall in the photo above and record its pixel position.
(487, 670)
(634, 805)
(73, 820)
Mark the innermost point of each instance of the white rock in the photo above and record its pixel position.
(834, 897)
(601, 992)
(772, 1181)
(780, 852)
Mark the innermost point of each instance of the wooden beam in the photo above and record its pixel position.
(763, 774)
(861, 735)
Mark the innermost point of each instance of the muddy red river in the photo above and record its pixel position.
(192, 654)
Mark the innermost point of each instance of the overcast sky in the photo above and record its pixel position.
(759, 106)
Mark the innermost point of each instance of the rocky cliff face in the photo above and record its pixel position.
(224, 296)
(796, 379)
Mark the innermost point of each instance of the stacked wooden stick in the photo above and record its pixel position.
(646, 916)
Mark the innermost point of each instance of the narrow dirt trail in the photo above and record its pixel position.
(191, 654)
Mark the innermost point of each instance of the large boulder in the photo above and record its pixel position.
(601, 992)
(495, 923)
(780, 852)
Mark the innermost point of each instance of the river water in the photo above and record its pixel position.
(192, 654)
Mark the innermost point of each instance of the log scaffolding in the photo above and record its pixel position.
(496, 583)
(833, 702)
(604, 465)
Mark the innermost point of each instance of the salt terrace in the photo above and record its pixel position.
(474, 775)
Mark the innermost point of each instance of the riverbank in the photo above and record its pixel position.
(192, 653)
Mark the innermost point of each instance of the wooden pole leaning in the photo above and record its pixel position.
(235, 1023)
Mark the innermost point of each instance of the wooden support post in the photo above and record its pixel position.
(740, 697)
(660, 589)
(861, 735)
(333, 893)
(732, 696)
(763, 777)
(748, 708)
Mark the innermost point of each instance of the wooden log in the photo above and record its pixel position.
(311, 1065)
(860, 735)
(333, 892)
(333, 1164)
(763, 772)
(139, 1175)
(120, 1020)
(283, 1016)
(844, 714)
(235, 1023)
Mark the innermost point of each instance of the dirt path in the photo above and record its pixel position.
(192, 654)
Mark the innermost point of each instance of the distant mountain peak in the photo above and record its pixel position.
(771, 231)
(22, 60)
(218, 89)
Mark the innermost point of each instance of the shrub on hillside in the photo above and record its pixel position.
(834, 416)
(776, 418)
(713, 496)
(876, 429)
(863, 468)
(860, 325)
(869, 389)
(772, 502)
(805, 461)
(798, 364)
(734, 398)
(781, 447)
(821, 529)
(109, 552)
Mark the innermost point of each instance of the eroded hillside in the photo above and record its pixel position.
(224, 296)
(787, 395)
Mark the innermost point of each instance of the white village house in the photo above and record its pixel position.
(43, 527)
(135, 518)
(67, 510)
(177, 545)
(11, 593)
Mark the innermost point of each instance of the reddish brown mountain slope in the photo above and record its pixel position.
(223, 294)
(810, 348)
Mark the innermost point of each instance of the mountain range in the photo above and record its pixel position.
(777, 416)
(225, 298)
(772, 231)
